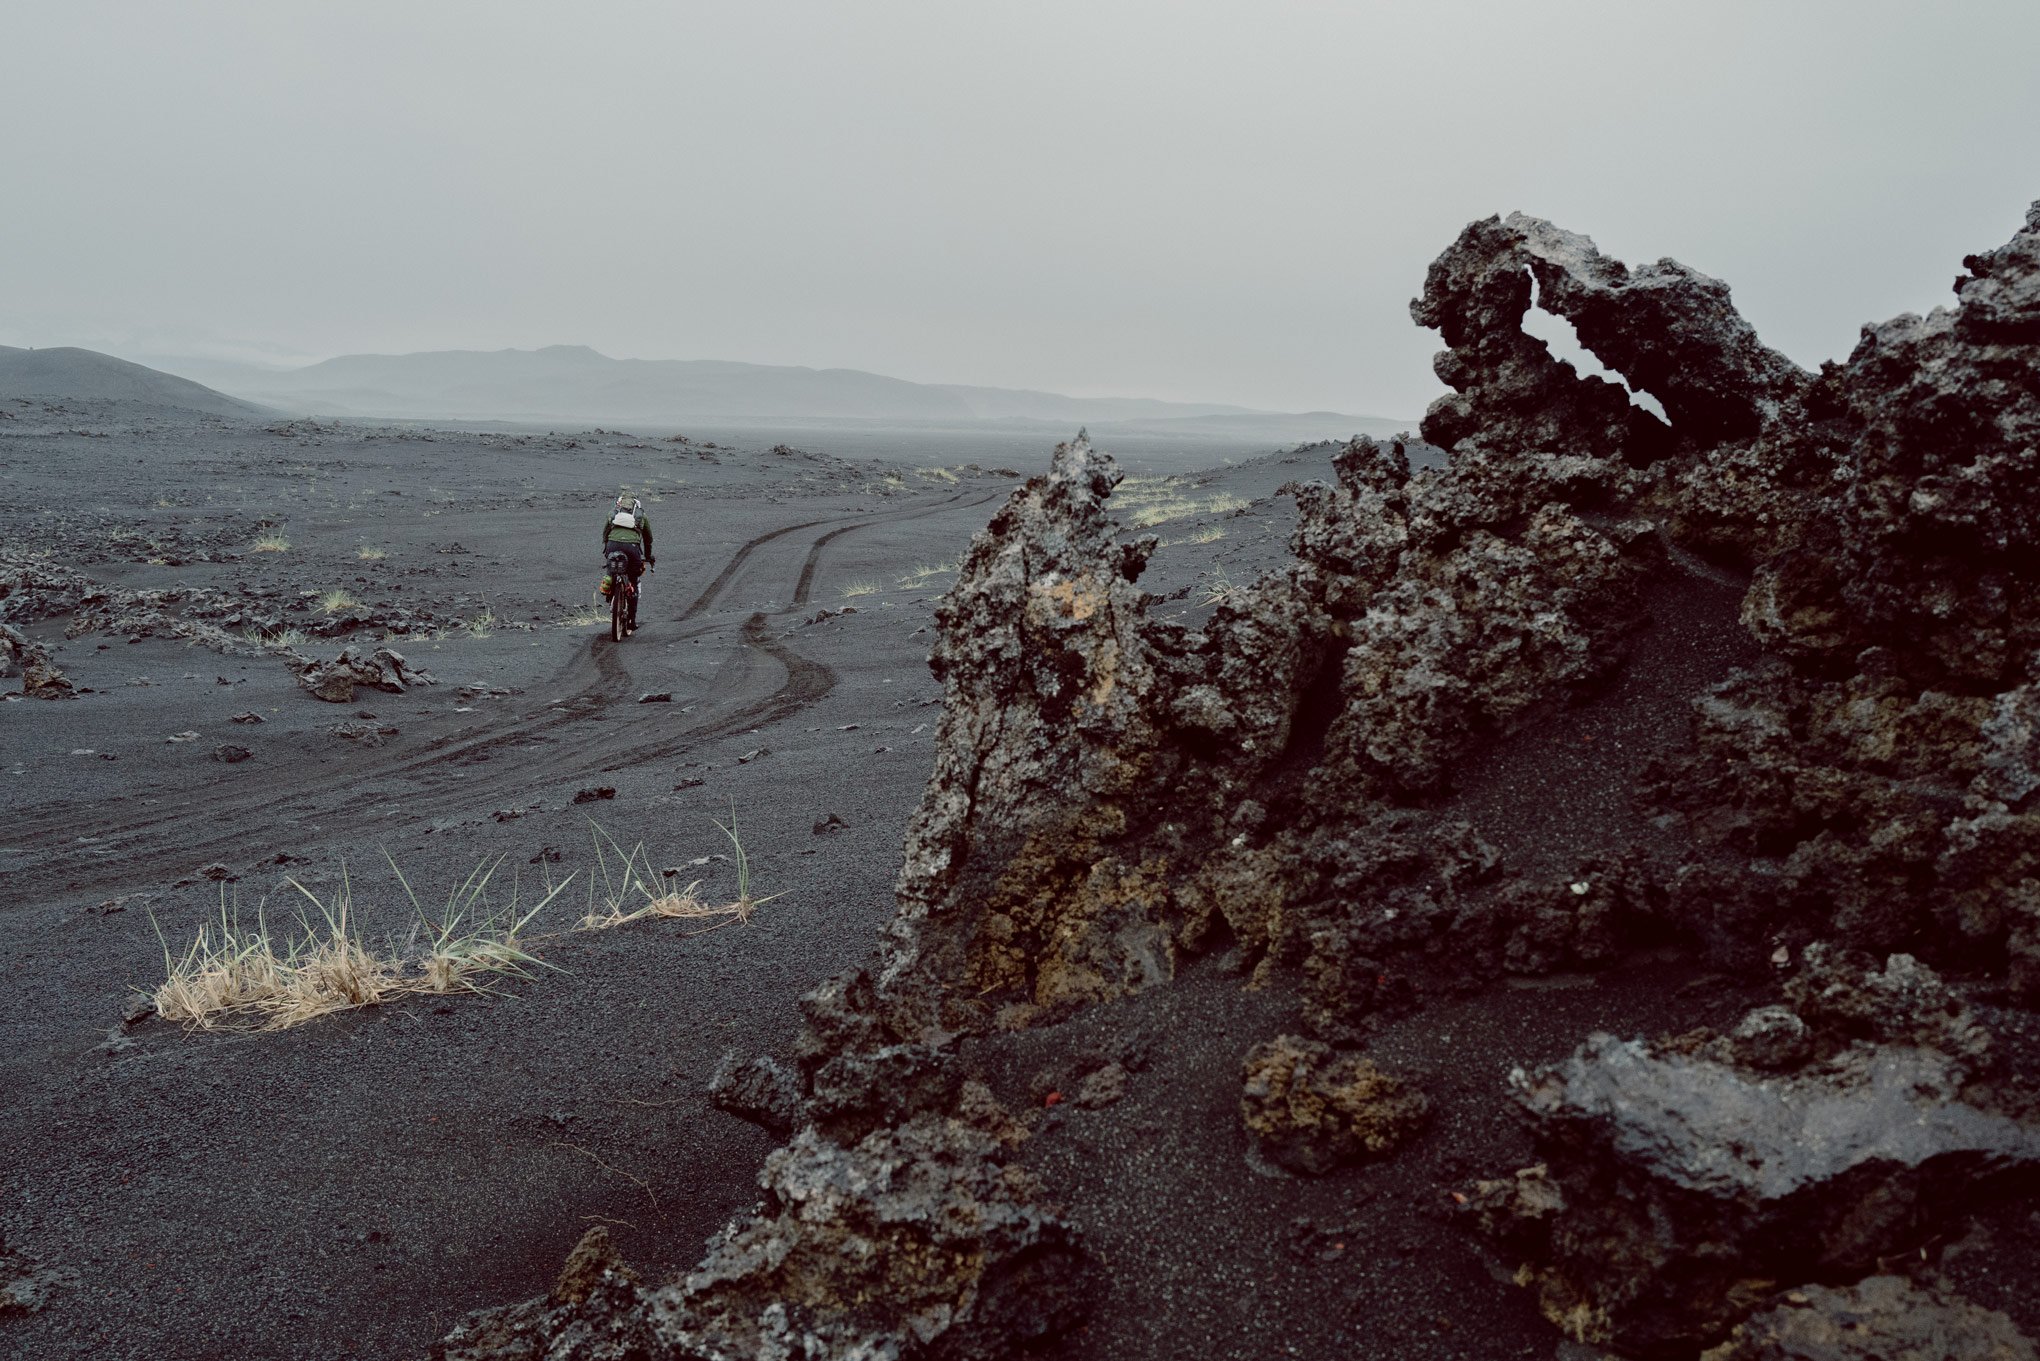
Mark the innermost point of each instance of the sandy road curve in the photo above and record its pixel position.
(497, 761)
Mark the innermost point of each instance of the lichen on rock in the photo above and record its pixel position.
(1309, 1110)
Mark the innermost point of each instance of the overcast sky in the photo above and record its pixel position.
(1222, 202)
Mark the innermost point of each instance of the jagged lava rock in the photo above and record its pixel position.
(760, 1089)
(336, 681)
(915, 1242)
(1881, 1318)
(40, 679)
(597, 1311)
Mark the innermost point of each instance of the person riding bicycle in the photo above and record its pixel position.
(628, 531)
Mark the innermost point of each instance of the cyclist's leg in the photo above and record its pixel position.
(637, 571)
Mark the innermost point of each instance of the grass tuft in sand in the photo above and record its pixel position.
(1219, 586)
(335, 601)
(923, 574)
(1151, 501)
(482, 625)
(858, 588)
(273, 542)
(280, 639)
(625, 888)
(588, 616)
(368, 554)
(231, 977)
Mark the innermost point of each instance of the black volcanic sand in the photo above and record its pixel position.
(350, 1187)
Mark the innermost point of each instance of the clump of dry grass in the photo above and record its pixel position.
(272, 542)
(370, 554)
(630, 890)
(483, 625)
(587, 616)
(858, 588)
(923, 574)
(335, 601)
(282, 638)
(1208, 534)
(1220, 588)
(231, 977)
(1162, 511)
(1151, 501)
(469, 939)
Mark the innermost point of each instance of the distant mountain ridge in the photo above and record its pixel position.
(576, 383)
(66, 373)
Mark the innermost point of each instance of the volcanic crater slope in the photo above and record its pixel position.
(1803, 605)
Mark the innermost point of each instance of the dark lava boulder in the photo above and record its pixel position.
(1677, 1189)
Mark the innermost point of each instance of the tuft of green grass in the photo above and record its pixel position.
(858, 588)
(481, 625)
(335, 601)
(270, 543)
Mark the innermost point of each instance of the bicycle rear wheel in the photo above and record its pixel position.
(618, 618)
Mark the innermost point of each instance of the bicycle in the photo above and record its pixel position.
(622, 597)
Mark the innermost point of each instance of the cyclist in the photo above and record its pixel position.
(628, 530)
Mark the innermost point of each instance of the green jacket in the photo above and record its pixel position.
(615, 533)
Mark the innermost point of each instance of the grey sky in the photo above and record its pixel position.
(1226, 202)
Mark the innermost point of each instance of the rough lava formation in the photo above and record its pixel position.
(337, 680)
(1114, 793)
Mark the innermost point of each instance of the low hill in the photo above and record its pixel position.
(64, 373)
(562, 383)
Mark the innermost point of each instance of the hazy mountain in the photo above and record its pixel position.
(572, 383)
(63, 373)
